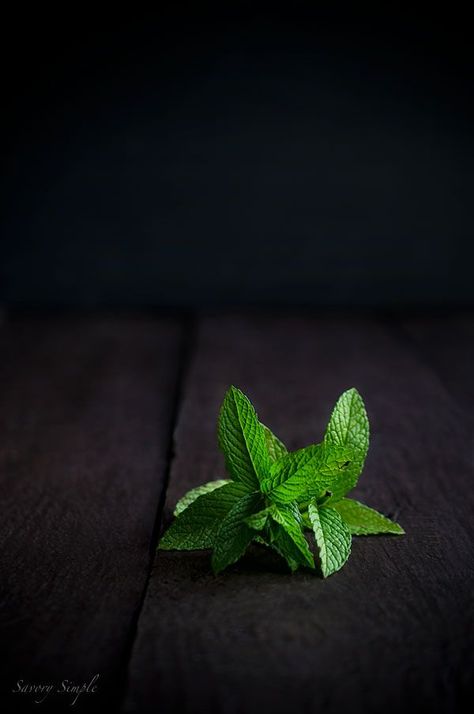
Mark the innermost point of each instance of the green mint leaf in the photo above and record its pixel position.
(333, 537)
(234, 535)
(314, 476)
(242, 440)
(258, 521)
(348, 429)
(275, 447)
(289, 518)
(288, 465)
(363, 520)
(196, 527)
(194, 493)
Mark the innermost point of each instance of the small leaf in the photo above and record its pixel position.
(242, 440)
(348, 429)
(363, 520)
(289, 518)
(196, 527)
(332, 536)
(194, 493)
(234, 535)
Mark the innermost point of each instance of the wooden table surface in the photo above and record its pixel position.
(105, 421)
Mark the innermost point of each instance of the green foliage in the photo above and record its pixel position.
(194, 493)
(276, 448)
(348, 429)
(363, 520)
(234, 535)
(196, 527)
(332, 536)
(243, 440)
(307, 473)
(273, 496)
(289, 518)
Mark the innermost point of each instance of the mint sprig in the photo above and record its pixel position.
(274, 497)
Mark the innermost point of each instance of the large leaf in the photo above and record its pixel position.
(242, 440)
(313, 474)
(288, 465)
(333, 537)
(196, 527)
(363, 520)
(234, 535)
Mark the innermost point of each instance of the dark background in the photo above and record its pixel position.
(202, 157)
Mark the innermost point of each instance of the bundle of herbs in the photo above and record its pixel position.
(273, 496)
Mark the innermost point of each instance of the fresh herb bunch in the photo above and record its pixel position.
(274, 495)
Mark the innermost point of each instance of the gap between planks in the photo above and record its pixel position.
(185, 355)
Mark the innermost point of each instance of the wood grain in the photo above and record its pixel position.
(85, 420)
(393, 630)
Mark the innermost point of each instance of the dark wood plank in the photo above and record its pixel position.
(390, 632)
(85, 423)
(447, 344)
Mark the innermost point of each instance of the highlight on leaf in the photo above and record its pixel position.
(273, 498)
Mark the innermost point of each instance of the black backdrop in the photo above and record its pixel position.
(241, 157)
